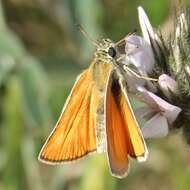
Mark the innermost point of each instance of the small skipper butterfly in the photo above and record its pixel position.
(97, 116)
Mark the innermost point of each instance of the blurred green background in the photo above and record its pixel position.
(41, 53)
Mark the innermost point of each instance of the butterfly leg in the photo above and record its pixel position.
(138, 75)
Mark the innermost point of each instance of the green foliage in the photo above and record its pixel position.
(158, 10)
(23, 105)
(34, 92)
(12, 137)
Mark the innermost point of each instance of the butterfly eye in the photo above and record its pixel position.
(112, 52)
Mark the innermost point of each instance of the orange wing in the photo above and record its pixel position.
(74, 134)
(123, 134)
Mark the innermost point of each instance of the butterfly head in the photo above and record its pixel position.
(106, 51)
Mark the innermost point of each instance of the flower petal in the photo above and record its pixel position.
(156, 127)
(149, 35)
(133, 82)
(143, 112)
(156, 103)
(146, 27)
(139, 53)
(148, 99)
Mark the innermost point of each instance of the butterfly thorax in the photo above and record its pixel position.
(106, 51)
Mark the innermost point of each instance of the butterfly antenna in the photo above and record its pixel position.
(123, 39)
(81, 29)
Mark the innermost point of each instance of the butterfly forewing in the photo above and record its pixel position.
(123, 135)
(75, 132)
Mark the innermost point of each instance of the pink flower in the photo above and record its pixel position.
(140, 59)
(158, 113)
(139, 53)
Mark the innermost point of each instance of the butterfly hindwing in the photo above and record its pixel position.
(123, 134)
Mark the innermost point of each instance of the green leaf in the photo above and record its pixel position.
(34, 92)
(7, 64)
(12, 135)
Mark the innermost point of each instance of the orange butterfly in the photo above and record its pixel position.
(97, 116)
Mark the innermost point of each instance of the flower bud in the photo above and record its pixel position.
(167, 85)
